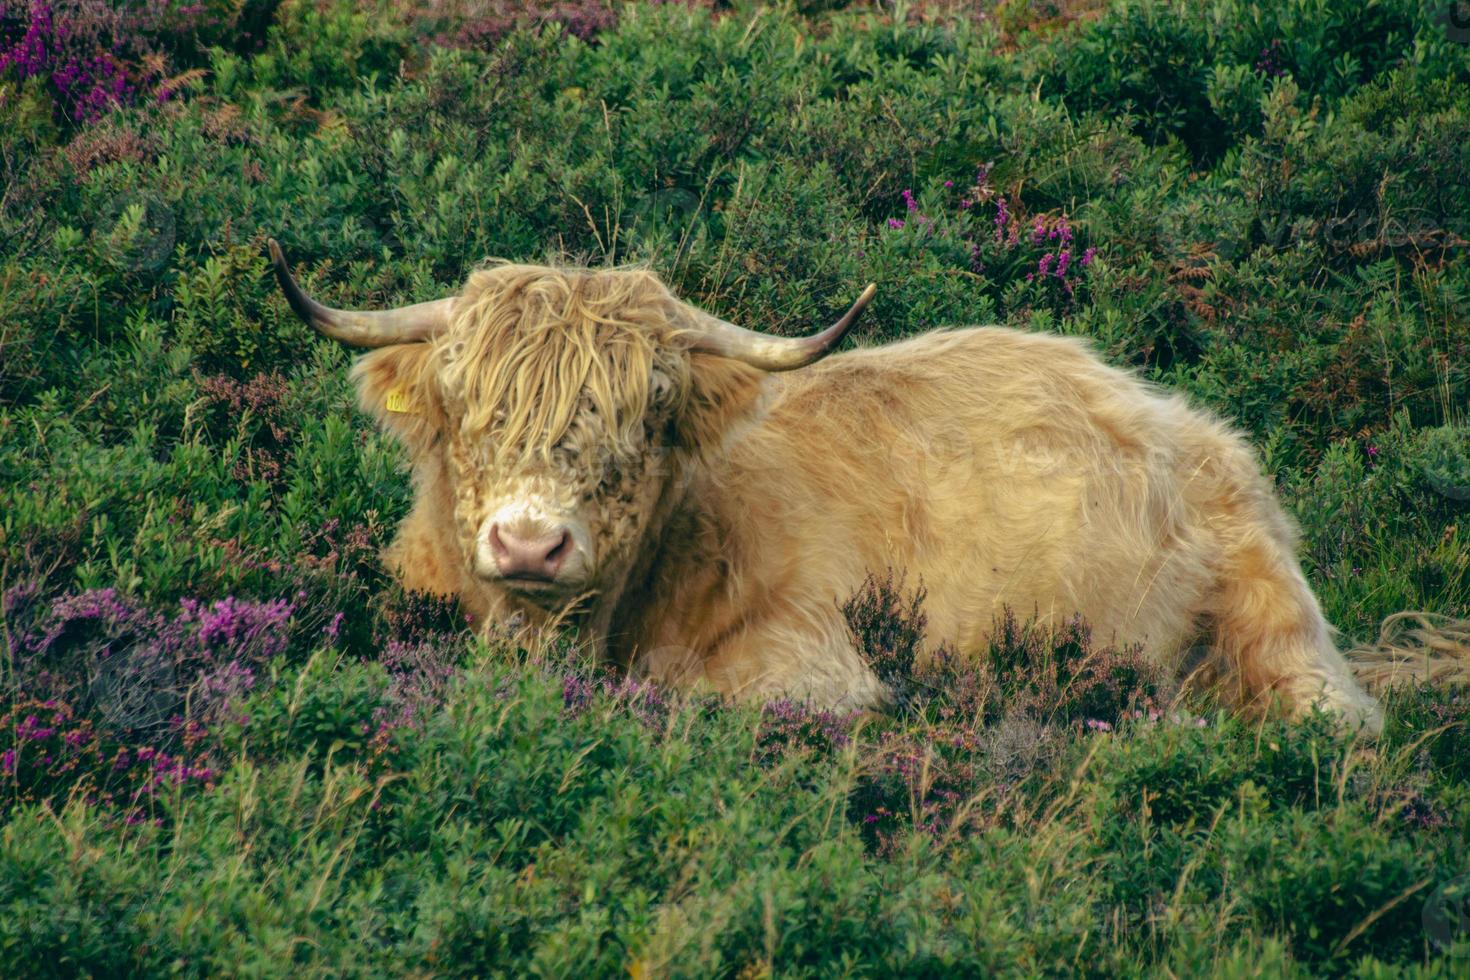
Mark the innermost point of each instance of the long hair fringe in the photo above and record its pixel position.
(529, 343)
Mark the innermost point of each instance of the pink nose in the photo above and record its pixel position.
(529, 557)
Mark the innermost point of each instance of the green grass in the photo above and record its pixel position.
(348, 784)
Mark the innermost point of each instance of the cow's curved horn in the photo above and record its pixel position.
(770, 353)
(362, 328)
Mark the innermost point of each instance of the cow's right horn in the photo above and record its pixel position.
(362, 328)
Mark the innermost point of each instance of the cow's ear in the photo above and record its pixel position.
(399, 386)
(721, 393)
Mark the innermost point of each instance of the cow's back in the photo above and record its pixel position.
(999, 469)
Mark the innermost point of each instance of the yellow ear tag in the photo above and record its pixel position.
(398, 400)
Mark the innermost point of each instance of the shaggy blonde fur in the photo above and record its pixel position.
(528, 353)
(1413, 647)
(730, 511)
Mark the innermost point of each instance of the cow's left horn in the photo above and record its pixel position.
(362, 328)
(769, 353)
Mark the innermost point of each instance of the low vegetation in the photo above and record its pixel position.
(229, 744)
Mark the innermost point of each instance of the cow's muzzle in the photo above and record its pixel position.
(529, 558)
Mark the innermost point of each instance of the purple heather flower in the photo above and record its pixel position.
(1088, 255)
(237, 624)
(576, 693)
(31, 730)
(895, 223)
(1268, 62)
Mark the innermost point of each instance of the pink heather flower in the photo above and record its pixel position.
(908, 200)
(1088, 255)
(949, 183)
(1372, 452)
(895, 223)
(1064, 257)
(7, 762)
(31, 730)
(1044, 266)
(1002, 216)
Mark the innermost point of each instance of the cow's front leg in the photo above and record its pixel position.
(806, 657)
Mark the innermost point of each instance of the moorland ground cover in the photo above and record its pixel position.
(228, 743)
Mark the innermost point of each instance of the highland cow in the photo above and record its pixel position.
(698, 498)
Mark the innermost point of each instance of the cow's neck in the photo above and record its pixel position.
(629, 608)
(688, 584)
